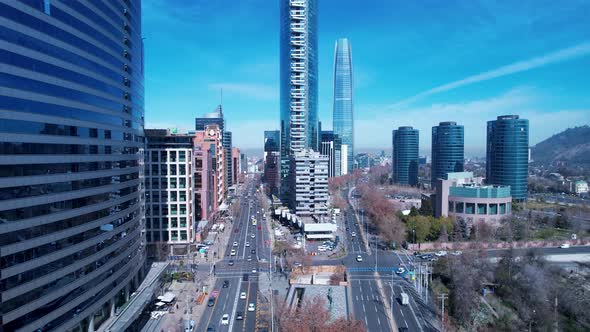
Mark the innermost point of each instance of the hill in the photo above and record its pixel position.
(571, 146)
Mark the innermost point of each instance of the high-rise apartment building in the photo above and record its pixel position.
(448, 140)
(405, 141)
(211, 140)
(235, 165)
(309, 176)
(331, 146)
(227, 145)
(343, 98)
(299, 77)
(169, 179)
(71, 162)
(272, 143)
(507, 154)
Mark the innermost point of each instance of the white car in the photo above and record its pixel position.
(353, 234)
(252, 236)
(440, 253)
(251, 307)
(247, 244)
(565, 246)
(243, 295)
(253, 270)
(249, 258)
(359, 258)
(235, 244)
(320, 248)
(233, 252)
(456, 253)
(400, 270)
(225, 319)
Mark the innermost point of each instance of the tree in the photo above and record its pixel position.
(312, 315)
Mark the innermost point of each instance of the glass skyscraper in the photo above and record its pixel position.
(447, 150)
(405, 141)
(507, 154)
(71, 162)
(298, 76)
(343, 98)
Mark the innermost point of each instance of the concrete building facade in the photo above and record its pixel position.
(309, 177)
(464, 197)
(170, 207)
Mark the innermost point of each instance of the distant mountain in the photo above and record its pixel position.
(571, 146)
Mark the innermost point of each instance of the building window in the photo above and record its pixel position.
(181, 156)
(174, 222)
(173, 156)
(173, 183)
(470, 208)
(173, 209)
(459, 207)
(47, 7)
(182, 169)
(451, 207)
(502, 208)
(183, 196)
(183, 236)
(493, 209)
(173, 196)
(482, 208)
(174, 236)
(182, 221)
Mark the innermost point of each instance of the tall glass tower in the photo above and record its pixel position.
(507, 154)
(343, 98)
(298, 76)
(71, 162)
(405, 141)
(447, 150)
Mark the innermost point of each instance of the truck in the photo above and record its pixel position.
(405, 298)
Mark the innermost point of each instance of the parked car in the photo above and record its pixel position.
(441, 253)
(565, 246)
(456, 253)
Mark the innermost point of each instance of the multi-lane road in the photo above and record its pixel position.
(239, 270)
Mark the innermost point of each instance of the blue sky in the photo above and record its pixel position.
(415, 63)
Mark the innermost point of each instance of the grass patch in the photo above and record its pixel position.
(552, 234)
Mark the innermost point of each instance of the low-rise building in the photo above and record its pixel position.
(580, 187)
(462, 196)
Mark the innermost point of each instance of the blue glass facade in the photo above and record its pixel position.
(405, 141)
(507, 154)
(448, 155)
(272, 140)
(298, 79)
(71, 161)
(343, 97)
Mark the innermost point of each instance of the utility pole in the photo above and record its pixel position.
(442, 298)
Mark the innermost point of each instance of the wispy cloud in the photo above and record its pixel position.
(254, 91)
(579, 50)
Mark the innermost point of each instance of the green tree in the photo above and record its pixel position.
(421, 225)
